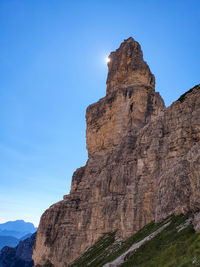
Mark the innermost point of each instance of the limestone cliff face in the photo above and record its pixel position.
(127, 68)
(123, 111)
(144, 164)
(130, 100)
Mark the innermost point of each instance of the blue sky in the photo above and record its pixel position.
(52, 67)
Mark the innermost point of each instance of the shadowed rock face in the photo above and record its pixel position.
(20, 256)
(143, 165)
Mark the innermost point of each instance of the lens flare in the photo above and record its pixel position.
(107, 59)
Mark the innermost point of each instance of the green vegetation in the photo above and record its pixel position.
(169, 248)
(94, 256)
(106, 249)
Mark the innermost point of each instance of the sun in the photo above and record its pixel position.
(107, 59)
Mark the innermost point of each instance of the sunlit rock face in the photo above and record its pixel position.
(126, 68)
(130, 101)
(122, 111)
(144, 164)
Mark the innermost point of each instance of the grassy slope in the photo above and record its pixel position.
(169, 248)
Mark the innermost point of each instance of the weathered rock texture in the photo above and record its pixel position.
(130, 101)
(144, 163)
(122, 111)
(127, 68)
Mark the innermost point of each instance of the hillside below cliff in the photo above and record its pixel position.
(143, 165)
(172, 242)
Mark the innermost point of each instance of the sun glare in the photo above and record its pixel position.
(107, 59)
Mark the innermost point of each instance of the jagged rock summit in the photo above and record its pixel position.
(130, 100)
(127, 68)
(143, 164)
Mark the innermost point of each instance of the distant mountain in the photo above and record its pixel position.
(15, 234)
(17, 228)
(20, 256)
(25, 236)
(8, 241)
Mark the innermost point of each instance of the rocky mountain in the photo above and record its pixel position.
(143, 165)
(18, 228)
(20, 256)
(25, 236)
(12, 232)
(9, 241)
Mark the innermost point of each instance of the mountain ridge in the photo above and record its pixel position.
(12, 232)
(143, 164)
(9, 241)
(18, 225)
(19, 256)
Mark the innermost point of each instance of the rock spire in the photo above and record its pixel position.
(127, 68)
(143, 164)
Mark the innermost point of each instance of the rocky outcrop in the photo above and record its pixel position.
(20, 256)
(121, 112)
(127, 68)
(130, 101)
(143, 165)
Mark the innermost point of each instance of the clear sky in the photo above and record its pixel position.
(52, 67)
